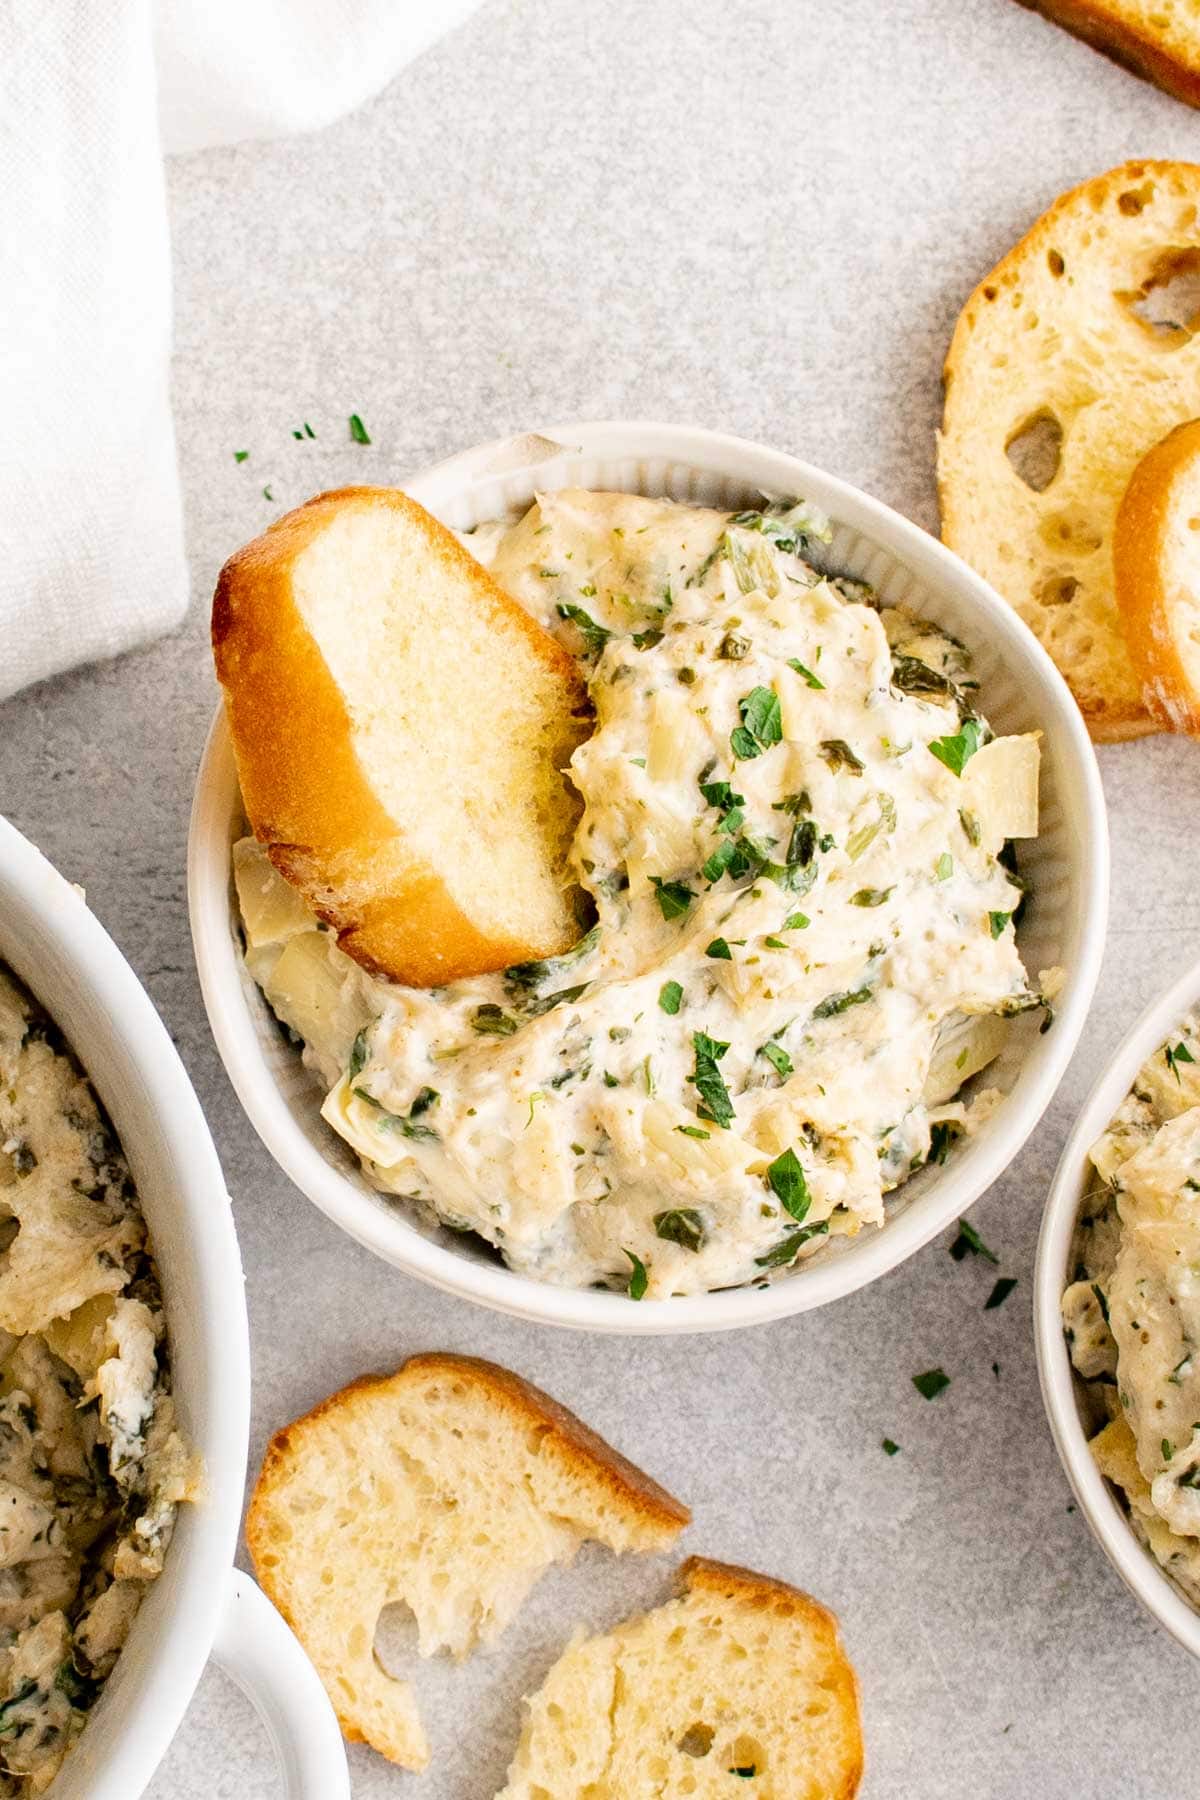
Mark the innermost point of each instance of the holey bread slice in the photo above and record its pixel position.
(740, 1679)
(450, 1486)
(1074, 356)
(1156, 567)
(401, 729)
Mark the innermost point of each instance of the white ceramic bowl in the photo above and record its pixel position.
(1068, 869)
(1066, 1397)
(200, 1604)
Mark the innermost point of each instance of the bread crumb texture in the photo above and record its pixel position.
(1075, 355)
(739, 1686)
(448, 1487)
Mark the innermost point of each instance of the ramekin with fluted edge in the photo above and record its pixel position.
(1067, 868)
(1064, 1394)
(200, 1605)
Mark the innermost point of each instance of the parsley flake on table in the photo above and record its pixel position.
(358, 430)
(969, 1241)
(956, 752)
(931, 1383)
(240, 456)
(1000, 1292)
(889, 1446)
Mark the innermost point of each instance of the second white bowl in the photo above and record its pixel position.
(1067, 867)
(1064, 1394)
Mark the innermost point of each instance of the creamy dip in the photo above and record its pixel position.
(91, 1466)
(1132, 1313)
(795, 839)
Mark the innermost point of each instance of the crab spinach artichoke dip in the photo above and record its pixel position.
(91, 1465)
(795, 838)
(1132, 1313)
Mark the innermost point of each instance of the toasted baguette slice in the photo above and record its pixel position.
(451, 1485)
(1158, 41)
(1050, 347)
(1156, 568)
(401, 728)
(740, 1676)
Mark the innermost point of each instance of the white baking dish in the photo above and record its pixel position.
(1064, 1394)
(200, 1605)
(1067, 867)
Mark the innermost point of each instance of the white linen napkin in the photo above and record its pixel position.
(91, 542)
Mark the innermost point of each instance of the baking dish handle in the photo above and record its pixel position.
(255, 1647)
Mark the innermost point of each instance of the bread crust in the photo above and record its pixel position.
(1141, 564)
(1101, 26)
(1114, 720)
(574, 1441)
(306, 793)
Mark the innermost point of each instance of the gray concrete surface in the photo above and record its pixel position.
(762, 217)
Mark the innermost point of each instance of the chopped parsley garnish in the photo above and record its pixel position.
(674, 897)
(405, 1123)
(492, 1021)
(358, 1054)
(969, 1242)
(1168, 1449)
(797, 922)
(941, 1136)
(814, 681)
(1101, 1300)
(681, 1225)
(594, 635)
(719, 950)
(715, 865)
(358, 430)
(871, 896)
(944, 867)
(802, 845)
(761, 726)
(788, 1248)
(956, 752)
(721, 795)
(695, 1131)
(239, 456)
(970, 825)
(786, 1180)
(839, 755)
(997, 921)
(930, 1384)
(833, 1004)
(1000, 1292)
(716, 1105)
(889, 1446)
(646, 640)
(268, 495)
(774, 943)
(778, 1058)
(670, 995)
(637, 1277)
(1179, 1054)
